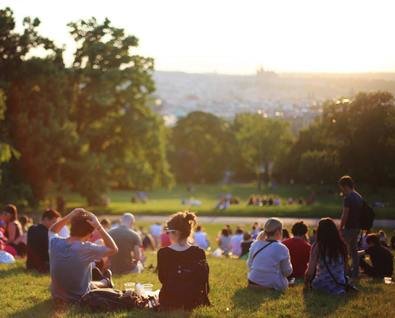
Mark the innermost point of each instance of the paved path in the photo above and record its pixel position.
(246, 220)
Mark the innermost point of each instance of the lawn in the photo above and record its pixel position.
(25, 294)
(162, 202)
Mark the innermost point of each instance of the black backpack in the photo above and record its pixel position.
(367, 216)
(190, 283)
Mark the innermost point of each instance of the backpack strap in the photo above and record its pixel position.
(332, 276)
(262, 248)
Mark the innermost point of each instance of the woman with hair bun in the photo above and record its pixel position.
(182, 268)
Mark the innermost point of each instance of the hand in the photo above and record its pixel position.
(77, 211)
(93, 220)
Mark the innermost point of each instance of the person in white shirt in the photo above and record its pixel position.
(269, 262)
(235, 242)
(156, 231)
(200, 238)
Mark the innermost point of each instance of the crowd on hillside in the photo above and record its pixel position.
(82, 253)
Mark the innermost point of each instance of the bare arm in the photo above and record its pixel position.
(137, 253)
(55, 228)
(313, 261)
(11, 229)
(344, 218)
(107, 239)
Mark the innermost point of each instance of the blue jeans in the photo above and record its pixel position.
(351, 239)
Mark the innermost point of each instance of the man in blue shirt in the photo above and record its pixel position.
(71, 259)
(350, 220)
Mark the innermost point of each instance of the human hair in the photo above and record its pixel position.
(225, 232)
(12, 210)
(271, 226)
(127, 219)
(239, 231)
(198, 228)
(373, 239)
(25, 222)
(299, 229)
(346, 181)
(330, 243)
(183, 222)
(286, 234)
(246, 236)
(105, 222)
(50, 214)
(80, 226)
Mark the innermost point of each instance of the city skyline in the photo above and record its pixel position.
(234, 37)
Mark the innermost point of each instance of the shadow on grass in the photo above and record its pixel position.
(319, 304)
(48, 308)
(45, 308)
(15, 270)
(251, 299)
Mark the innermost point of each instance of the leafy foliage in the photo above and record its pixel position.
(200, 148)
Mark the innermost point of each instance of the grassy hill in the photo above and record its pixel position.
(327, 203)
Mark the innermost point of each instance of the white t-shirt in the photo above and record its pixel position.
(201, 240)
(235, 243)
(155, 229)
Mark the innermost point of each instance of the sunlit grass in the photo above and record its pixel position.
(25, 294)
(168, 201)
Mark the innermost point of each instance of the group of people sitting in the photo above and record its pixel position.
(262, 200)
(81, 253)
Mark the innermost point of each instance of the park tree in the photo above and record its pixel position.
(363, 133)
(40, 128)
(355, 137)
(121, 139)
(17, 80)
(200, 148)
(6, 151)
(261, 142)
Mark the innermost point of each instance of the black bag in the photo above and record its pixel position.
(367, 216)
(108, 299)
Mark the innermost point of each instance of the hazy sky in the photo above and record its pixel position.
(237, 36)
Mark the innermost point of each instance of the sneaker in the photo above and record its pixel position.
(108, 276)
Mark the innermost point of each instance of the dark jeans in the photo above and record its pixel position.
(351, 239)
(368, 269)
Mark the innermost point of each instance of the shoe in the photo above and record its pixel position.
(107, 274)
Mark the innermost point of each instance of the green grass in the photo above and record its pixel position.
(25, 294)
(163, 202)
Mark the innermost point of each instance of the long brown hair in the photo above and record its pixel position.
(330, 243)
(12, 210)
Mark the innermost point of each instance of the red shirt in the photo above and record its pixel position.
(299, 250)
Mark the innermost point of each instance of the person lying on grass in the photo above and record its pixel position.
(269, 261)
(71, 258)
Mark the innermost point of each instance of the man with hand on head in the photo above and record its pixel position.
(71, 259)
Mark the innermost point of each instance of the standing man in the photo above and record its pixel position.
(350, 220)
(129, 257)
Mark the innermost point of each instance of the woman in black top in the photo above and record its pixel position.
(182, 268)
